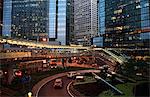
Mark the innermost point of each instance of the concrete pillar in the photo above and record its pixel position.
(10, 74)
(1, 46)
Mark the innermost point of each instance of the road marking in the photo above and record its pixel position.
(68, 90)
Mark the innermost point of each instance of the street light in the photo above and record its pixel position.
(29, 94)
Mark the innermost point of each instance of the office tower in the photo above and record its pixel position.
(125, 23)
(99, 39)
(85, 21)
(58, 21)
(39, 20)
(70, 21)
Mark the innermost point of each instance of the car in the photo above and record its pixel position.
(79, 78)
(94, 65)
(58, 83)
(72, 74)
(80, 62)
(53, 65)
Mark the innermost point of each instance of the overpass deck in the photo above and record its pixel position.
(38, 44)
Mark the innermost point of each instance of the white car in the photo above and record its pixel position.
(58, 83)
(72, 74)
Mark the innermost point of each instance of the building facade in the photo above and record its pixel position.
(85, 21)
(39, 20)
(125, 23)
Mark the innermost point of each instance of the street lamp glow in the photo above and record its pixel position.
(29, 94)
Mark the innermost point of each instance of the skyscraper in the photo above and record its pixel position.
(125, 23)
(85, 21)
(70, 21)
(58, 21)
(36, 20)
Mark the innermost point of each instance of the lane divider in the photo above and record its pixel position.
(68, 90)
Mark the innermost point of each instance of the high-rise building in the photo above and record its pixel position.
(40, 20)
(99, 39)
(125, 23)
(58, 21)
(85, 21)
(70, 21)
(1, 16)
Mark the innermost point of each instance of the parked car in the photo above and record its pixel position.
(58, 83)
(79, 78)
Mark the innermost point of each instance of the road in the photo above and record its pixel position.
(44, 88)
(48, 90)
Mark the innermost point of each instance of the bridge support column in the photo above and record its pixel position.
(10, 74)
(64, 62)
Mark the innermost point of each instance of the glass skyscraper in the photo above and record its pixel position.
(99, 39)
(125, 23)
(36, 19)
(61, 20)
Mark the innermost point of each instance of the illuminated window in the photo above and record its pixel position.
(130, 38)
(118, 11)
(113, 18)
(119, 28)
(146, 4)
(137, 1)
(138, 6)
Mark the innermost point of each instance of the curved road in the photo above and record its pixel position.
(44, 88)
(48, 90)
